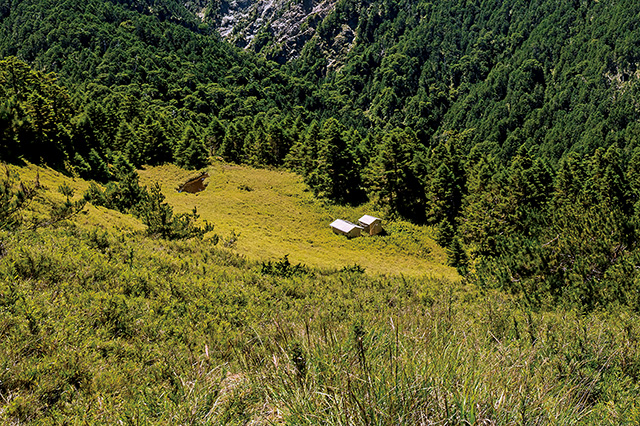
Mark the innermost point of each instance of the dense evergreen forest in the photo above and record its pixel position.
(511, 126)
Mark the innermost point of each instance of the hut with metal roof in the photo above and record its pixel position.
(344, 227)
(371, 225)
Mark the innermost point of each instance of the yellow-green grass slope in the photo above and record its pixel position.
(119, 328)
(267, 214)
(275, 215)
(49, 180)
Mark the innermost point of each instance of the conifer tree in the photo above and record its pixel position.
(83, 134)
(99, 169)
(481, 219)
(335, 175)
(304, 153)
(258, 144)
(569, 180)
(190, 151)
(232, 148)
(607, 183)
(82, 167)
(457, 257)
(258, 149)
(214, 135)
(154, 147)
(633, 178)
(442, 195)
(278, 144)
(126, 138)
(445, 181)
(393, 175)
(527, 190)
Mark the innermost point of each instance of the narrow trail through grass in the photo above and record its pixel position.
(274, 216)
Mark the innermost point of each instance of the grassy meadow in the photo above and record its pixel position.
(90, 218)
(101, 324)
(273, 216)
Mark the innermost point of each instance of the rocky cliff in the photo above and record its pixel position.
(279, 29)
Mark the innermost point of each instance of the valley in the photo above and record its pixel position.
(498, 141)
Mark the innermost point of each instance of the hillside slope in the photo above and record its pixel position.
(264, 216)
(100, 325)
(274, 216)
(557, 76)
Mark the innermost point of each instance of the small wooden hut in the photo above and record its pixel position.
(344, 227)
(371, 225)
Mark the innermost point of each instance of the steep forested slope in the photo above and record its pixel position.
(494, 121)
(511, 127)
(555, 75)
(140, 75)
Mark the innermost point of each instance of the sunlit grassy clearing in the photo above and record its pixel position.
(89, 218)
(275, 216)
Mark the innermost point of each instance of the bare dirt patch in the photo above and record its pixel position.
(194, 185)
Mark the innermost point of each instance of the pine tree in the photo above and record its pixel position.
(393, 175)
(526, 192)
(125, 138)
(303, 154)
(214, 135)
(335, 175)
(445, 181)
(99, 169)
(482, 219)
(278, 143)
(82, 167)
(83, 134)
(190, 151)
(457, 257)
(633, 178)
(232, 148)
(607, 183)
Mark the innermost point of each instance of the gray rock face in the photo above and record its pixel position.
(279, 29)
(198, 7)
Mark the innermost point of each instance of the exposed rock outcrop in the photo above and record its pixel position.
(279, 29)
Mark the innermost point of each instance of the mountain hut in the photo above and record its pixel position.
(371, 225)
(344, 227)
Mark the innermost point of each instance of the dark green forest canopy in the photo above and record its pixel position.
(146, 72)
(559, 76)
(556, 76)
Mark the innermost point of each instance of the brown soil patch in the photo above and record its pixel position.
(194, 185)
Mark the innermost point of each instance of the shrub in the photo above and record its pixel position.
(283, 268)
(127, 196)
